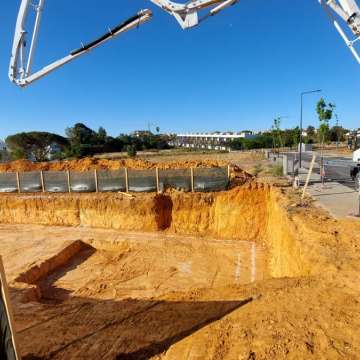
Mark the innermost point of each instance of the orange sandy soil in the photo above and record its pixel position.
(103, 164)
(167, 290)
(244, 159)
(170, 161)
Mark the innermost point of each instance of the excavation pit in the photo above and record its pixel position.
(142, 266)
(210, 276)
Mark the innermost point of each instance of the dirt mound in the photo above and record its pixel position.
(240, 176)
(104, 164)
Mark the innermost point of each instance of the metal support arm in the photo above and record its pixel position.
(187, 14)
(349, 12)
(20, 73)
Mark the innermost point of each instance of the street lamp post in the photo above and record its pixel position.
(301, 121)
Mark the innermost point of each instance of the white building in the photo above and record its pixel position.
(53, 150)
(2, 146)
(210, 141)
(4, 155)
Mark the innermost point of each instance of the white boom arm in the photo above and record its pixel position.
(21, 63)
(349, 12)
(188, 14)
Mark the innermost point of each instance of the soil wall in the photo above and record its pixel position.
(240, 213)
(252, 212)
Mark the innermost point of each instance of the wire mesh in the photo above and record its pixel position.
(111, 181)
(55, 181)
(205, 179)
(179, 179)
(338, 171)
(211, 179)
(82, 181)
(8, 183)
(142, 180)
(30, 182)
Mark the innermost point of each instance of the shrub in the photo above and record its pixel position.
(18, 154)
(131, 150)
(257, 169)
(276, 170)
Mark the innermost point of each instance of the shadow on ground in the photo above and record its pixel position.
(127, 329)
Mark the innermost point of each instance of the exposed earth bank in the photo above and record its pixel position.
(307, 305)
(86, 164)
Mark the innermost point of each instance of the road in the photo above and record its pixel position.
(337, 168)
(338, 196)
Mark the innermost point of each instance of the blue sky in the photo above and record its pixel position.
(237, 71)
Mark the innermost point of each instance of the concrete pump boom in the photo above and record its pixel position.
(188, 15)
(21, 62)
(349, 12)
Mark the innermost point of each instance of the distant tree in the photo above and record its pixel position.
(157, 129)
(287, 136)
(260, 142)
(102, 134)
(131, 150)
(296, 134)
(311, 131)
(34, 144)
(87, 142)
(325, 112)
(276, 131)
(337, 133)
(18, 154)
(80, 134)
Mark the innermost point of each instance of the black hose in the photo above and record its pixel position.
(106, 36)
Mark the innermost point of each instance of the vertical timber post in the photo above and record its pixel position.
(68, 180)
(192, 179)
(308, 177)
(229, 172)
(4, 294)
(42, 181)
(96, 181)
(18, 182)
(157, 180)
(126, 180)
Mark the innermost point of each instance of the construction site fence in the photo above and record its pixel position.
(327, 168)
(122, 180)
(288, 162)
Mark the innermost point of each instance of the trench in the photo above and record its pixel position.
(240, 220)
(142, 267)
(106, 268)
